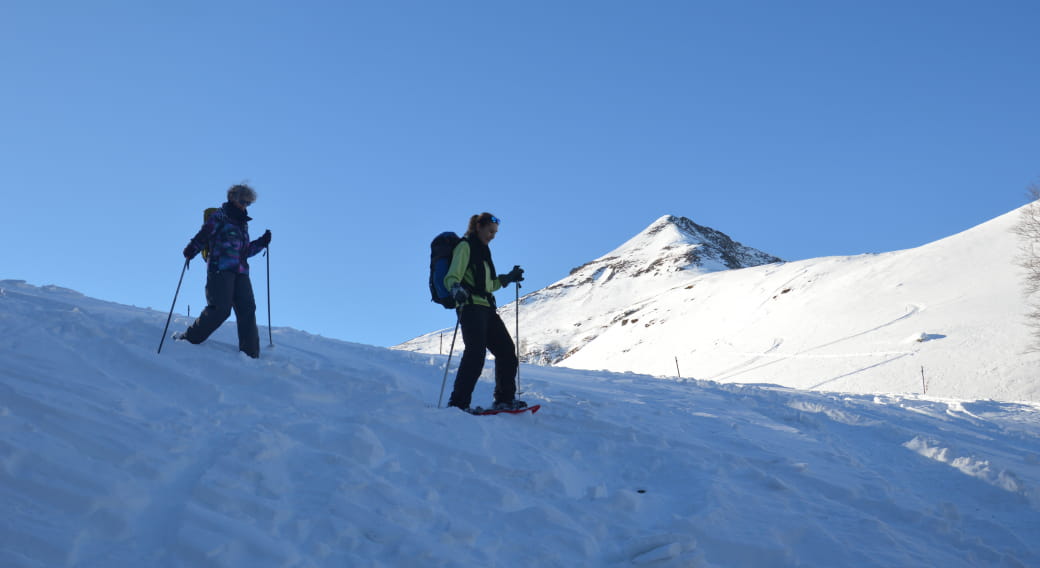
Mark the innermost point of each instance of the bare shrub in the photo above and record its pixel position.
(1028, 231)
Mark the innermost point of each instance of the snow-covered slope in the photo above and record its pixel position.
(323, 453)
(946, 318)
(575, 310)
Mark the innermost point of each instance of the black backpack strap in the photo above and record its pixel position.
(476, 263)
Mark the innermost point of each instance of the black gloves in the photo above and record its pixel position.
(459, 294)
(265, 239)
(189, 252)
(462, 295)
(514, 275)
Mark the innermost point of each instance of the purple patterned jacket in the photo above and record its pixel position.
(227, 234)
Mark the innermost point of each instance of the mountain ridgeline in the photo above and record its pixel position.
(664, 255)
(671, 244)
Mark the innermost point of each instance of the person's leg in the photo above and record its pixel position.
(474, 334)
(502, 347)
(245, 315)
(220, 288)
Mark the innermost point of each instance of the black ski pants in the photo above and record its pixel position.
(227, 290)
(482, 331)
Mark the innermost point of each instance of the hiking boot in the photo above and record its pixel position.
(511, 405)
(460, 407)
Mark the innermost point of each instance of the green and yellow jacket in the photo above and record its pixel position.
(471, 265)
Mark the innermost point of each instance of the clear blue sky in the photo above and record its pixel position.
(802, 128)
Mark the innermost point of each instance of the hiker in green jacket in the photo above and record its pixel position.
(472, 280)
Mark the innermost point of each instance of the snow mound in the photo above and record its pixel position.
(324, 453)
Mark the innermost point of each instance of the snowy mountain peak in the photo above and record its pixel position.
(705, 245)
(669, 245)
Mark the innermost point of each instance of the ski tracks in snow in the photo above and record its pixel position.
(774, 356)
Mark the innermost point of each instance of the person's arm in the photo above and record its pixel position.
(459, 264)
(201, 238)
(260, 244)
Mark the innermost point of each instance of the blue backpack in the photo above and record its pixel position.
(440, 260)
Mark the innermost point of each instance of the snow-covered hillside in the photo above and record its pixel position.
(574, 311)
(946, 318)
(323, 453)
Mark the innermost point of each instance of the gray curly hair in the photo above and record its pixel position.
(242, 193)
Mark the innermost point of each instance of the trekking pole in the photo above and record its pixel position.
(270, 336)
(518, 338)
(175, 294)
(448, 365)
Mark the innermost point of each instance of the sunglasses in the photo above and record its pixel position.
(494, 220)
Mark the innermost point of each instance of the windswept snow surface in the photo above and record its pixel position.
(323, 453)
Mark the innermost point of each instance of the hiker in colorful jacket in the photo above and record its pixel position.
(225, 237)
(471, 279)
